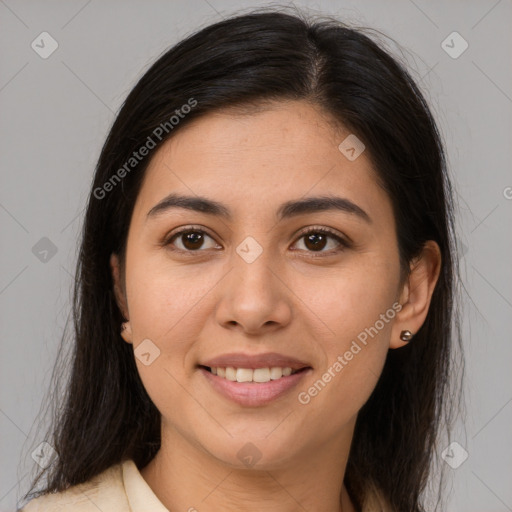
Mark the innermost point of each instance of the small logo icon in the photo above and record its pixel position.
(249, 249)
(454, 455)
(249, 454)
(146, 352)
(44, 250)
(42, 454)
(44, 45)
(454, 45)
(351, 147)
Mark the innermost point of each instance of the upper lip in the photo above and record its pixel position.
(267, 360)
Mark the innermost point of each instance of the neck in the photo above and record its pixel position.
(184, 477)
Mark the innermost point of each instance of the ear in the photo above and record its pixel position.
(125, 328)
(417, 293)
(118, 288)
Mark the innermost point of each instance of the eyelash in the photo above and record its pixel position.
(344, 244)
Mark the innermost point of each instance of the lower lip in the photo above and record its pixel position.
(253, 394)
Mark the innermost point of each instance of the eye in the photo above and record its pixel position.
(191, 239)
(317, 238)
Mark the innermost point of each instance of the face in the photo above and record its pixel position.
(318, 288)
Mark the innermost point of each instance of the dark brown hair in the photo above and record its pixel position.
(105, 415)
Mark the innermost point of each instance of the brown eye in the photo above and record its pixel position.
(317, 239)
(190, 240)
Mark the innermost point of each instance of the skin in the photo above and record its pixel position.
(197, 306)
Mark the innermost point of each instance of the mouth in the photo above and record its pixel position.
(253, 375)
(253, 387)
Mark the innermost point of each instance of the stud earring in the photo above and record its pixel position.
(406, 335)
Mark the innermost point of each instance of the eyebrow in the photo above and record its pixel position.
(287, 210)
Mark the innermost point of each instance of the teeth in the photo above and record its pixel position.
(261, 375)
(250, 375)
(244, 375)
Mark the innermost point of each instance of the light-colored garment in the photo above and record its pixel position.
(121, 488)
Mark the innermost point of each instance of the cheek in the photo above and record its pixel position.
(166, 306)
(163, 298)
(357, 306)
(352, 298)
(354, 355)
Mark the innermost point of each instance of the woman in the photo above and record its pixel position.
(264, 294)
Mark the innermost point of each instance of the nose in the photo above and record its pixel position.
(253, 297)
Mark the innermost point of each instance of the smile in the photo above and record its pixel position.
(258, 375)
(253, 387)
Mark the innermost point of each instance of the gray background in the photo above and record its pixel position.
(55, 114)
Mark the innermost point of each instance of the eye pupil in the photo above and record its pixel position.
(318, 241)
(194, 238)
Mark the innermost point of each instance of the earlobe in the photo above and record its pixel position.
(416, 295)
(126, 332)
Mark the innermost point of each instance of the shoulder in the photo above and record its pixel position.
(102, 492)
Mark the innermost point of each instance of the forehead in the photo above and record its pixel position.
(284, 151)
(295, 130)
